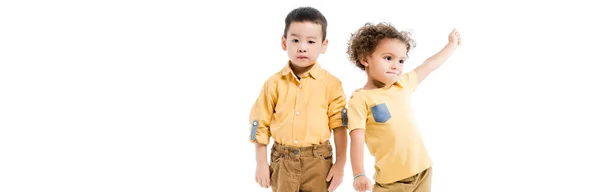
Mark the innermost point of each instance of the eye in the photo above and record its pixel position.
(311, 42)
(401, 61)
(295, 41)
(387, 58)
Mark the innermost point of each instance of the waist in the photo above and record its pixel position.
(323, 149)
(300, 137)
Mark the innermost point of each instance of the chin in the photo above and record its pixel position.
(303, 63)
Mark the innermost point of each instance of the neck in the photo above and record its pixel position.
(374, 84)
(299, 71)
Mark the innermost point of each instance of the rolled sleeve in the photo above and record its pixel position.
(357, 113)
(260, 116)
(337, 108)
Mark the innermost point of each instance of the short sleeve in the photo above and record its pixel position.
(412, 82)
(357, 112)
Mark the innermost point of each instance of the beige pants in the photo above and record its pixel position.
(420, 182)
(295, 169)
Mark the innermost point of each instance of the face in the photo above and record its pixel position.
(387, 62)
(304, 43)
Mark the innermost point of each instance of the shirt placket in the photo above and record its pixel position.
(298, 123)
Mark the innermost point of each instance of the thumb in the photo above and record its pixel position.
(330, 175)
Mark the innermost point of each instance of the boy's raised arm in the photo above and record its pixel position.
(434, 62)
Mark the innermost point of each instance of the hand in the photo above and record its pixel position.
(362, 184)
(263, 175)
(454, 37)
(335, 176)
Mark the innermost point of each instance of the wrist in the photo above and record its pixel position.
(258, 163)
(452, 44)
(359, 175)
(341, 161)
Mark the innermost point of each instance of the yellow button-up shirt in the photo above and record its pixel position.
(391, 133)
(298, 111)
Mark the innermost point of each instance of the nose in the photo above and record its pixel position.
(302, 48)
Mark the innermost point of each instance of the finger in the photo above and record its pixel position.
(267, 182)
(263, 182)
(333, 185)
(329, 176)
(339, 182)
(256, 179)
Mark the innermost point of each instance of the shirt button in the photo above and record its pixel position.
(254, 123)
(297, 112)
(295, 141)
(300, 86)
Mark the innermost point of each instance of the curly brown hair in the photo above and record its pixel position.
(364, 41)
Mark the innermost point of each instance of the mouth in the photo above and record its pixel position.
(392, 73)
(302, 57)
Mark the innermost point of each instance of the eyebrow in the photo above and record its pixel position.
(310, 37)
(394, 55)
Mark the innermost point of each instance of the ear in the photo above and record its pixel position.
(324, 46)
(365, 62)
(283, 43)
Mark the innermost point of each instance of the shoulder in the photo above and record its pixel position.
(331, 79)
(359, 95)
(408, 79)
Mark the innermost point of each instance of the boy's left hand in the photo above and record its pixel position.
(335, 176)
(454, 37)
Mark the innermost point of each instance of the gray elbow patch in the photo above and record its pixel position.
(345, 117)
(254, 128)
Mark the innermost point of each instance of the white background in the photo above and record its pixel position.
(155, 96)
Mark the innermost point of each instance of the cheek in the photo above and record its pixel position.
(315, 47)
(382, 67)
(377, 71)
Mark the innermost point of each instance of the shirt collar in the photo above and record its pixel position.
(315, 72)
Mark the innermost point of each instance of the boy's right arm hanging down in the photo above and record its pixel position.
(260, 120)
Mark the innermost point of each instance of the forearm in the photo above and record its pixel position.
(357, 151)
(341, 144)
(261, 153)
(440, 57)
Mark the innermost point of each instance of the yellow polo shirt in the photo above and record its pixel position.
(298, 111)
(391, 133)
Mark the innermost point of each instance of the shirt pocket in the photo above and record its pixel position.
(380, 112)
